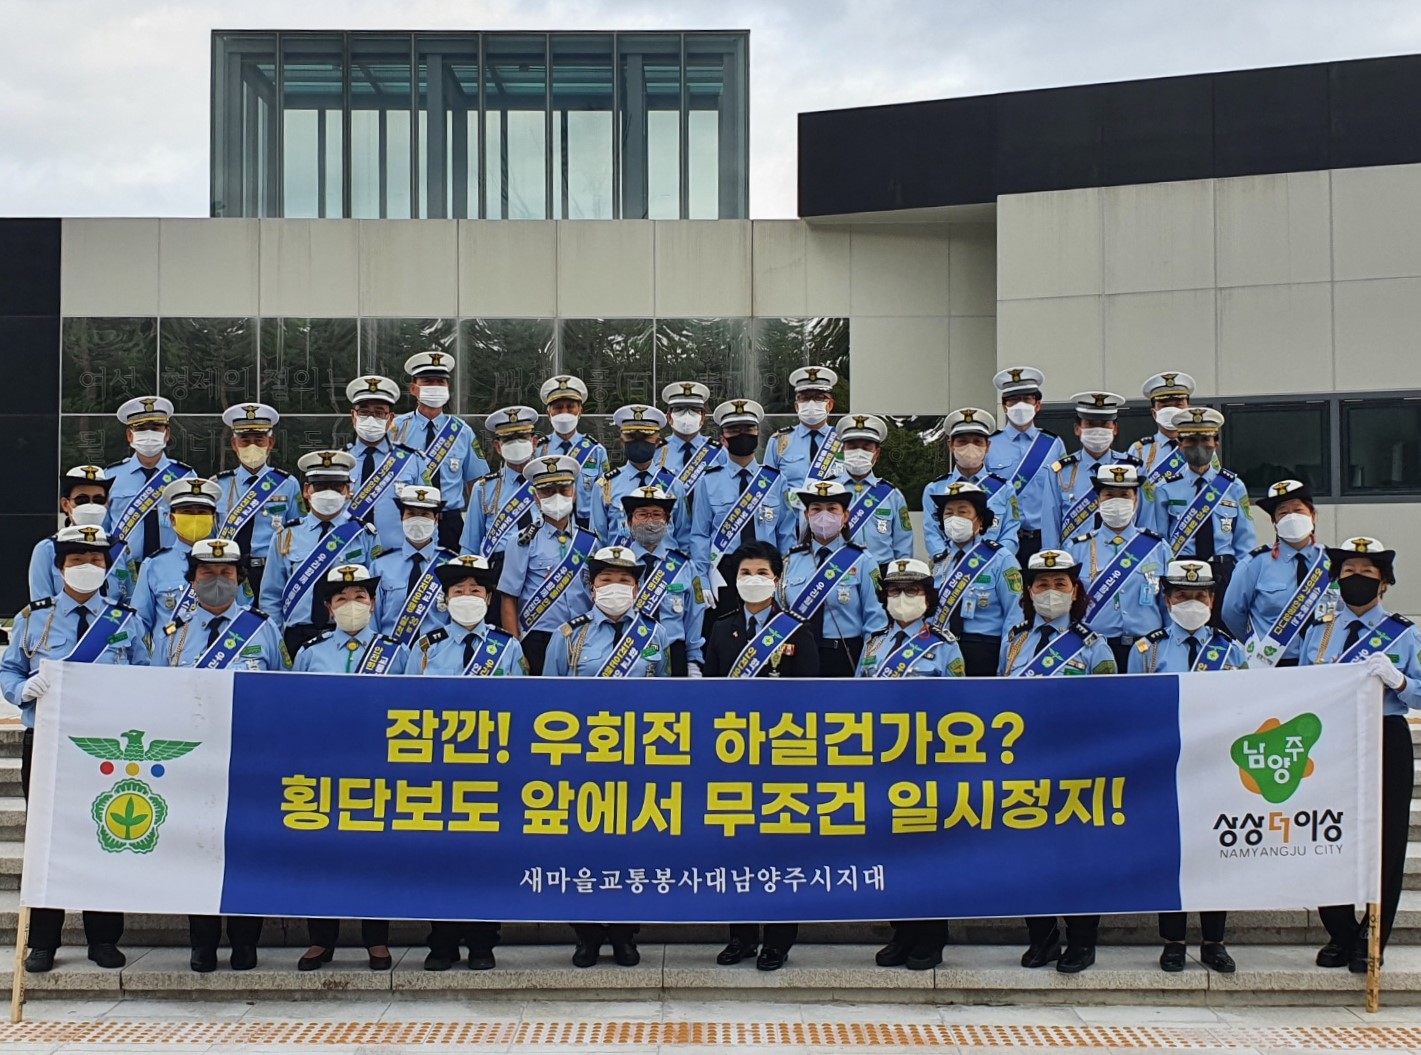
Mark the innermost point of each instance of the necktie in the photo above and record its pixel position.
(369, 467)
(1192, 643)
(470, 647)
(214, 629)
(428, 442)
(618, 629)
(686, 452)
(1301, 563)
(897, 642)
(956, 622)
(83, 614)
(1044, 636)
(813, 448)
(151, 531)
(326, 526)
(416, 573)
(567, 446)
(1204, 537)
(747, 533)
(1353, 633)
(642, 477)
(649, 559)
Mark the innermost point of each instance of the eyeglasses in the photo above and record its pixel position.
(84, 500)
(374, 412)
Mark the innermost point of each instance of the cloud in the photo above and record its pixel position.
(106, 104)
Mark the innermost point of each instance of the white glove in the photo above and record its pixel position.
(693, 669)
(34, 688)
(1378, 664)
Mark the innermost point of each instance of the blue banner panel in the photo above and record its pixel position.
(701, 801)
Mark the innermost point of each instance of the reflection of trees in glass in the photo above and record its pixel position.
(503, 362)
(614, 358)
(90, 439)
(200, 440)
(715, 352)
(907, 462)
(206, 365)
(306, 363)
(385, 344)
(301, 434)
(783, 345)
(107, 361)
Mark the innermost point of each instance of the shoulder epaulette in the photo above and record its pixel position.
(1069, 459)
(1128, 459)
(1020, 628)
(501, 635)
(388, 553)
(678, 553)
(487, 476)
(1261, 549)
(784, 431)
(990, 543)
(40, 604)
(412, 450)
(181, 465)
(943, 633)
(1145, 441)
(390, 640)
(319, 637)
(713, 443)
(997, 476)
(292, 522)
(1402, 619)
(172, 628)
(115, 465)
(370, 529)
(225, 472)
(1171, 477)
(1224, 632)
(432, 638)
(258, 612)
(526, 536)
(162, 549)
(945, 477)
(1156, 636)
(1082, 538)
(614, 473)
(717, 467)
(803, 547)
(1047, 432)
(1086, 632)
(1152, 534)
(125, 608)
(939, 556)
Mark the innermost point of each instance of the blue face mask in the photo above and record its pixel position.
(639, 451)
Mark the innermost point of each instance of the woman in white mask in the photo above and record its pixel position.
(1266, 582)
(1023, 454)
(1168, 393)
(131, 515)
(883, 526)
(1188, 643)
(810, 448)
(1097, 428)
(83, 499)
(379, 457)
(564, 398)
(409, 601)
(349, 594)
(1053, 642)
(978, 581)
(969, 440)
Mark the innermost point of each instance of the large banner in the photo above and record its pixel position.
(180, 791)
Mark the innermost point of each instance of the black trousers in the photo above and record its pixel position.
(605, 933)
(677, 665)
(839, 657)
(915, 932)
(1080, 930)
(254, 578)
(1211, 925)
(1397, 778)
(47, 924)
(451, 528)
(1121, 649)
(445, 936)
(1028, 544)
(205, 932)
(980, 654)
(780, 936)
(326, 932)
(535, 649)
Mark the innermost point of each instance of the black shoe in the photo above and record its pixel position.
(1044, 951)
(1334, 954)
(203, 961)
(439, 961)
(734, 951)
(1172, 959)
(586, 954)
(39, 961)
(1358, 963)
(380, 963)
(481, 960)
(1214, 955)
(106, 955)
(894, 954)
(244, 957)
(1075, 959)
(624, 954)
(313, 963)
(771, 959)
(924, 957)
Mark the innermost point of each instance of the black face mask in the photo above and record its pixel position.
(639, 451)
(742, 445)
(1359, 590)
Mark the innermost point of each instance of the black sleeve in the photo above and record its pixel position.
(806, 652)
(713, 665)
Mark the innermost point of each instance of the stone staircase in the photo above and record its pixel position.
(1274, 950)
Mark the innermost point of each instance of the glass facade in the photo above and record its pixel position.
(505, 126)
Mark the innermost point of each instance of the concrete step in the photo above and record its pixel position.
(12, 818)
(1267, 975)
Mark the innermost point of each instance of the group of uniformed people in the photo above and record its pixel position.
(706, 556)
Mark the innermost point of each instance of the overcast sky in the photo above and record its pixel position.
(104, 105)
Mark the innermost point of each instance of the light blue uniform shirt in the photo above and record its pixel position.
(1039, 503)
(1094, 658)
(531, 559)
(1167, 650)
(386, 515)
(596, 464)
(681, 614)
(442, 652)
(289, 549)
(674, 453)
(128, 479)
(607, 518)
(853, 608)
(394, 567)
(717, 493)
(1005, 528)
(46, 580)
(282, 503)
(1403, 653)
(940, 659)
(49, 629)
(592, 638)
(182, 643)
(788, 451)
(1136, 608)
(491, 493)
(993, 600)
(332, 653)
(1234, 534)
(887, 532)
(1262, 585)
(460, 467)
(1075, 475)
(161, 584)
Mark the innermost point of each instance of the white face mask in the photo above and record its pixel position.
(969, 459)
(353, 616)
(1117, 512)
(564, 424)
(812, 413)
(906, 608)
(467, 610)
(755, 588)
(1021, 413)
(858, 462)
(517, 452)
(1291, 527)
(555, 507)
(252, 457)
(1164, 417)
(88, 515)
(614, 599)
(434, 395)
(686, 422)
(1190, 615)
(1052, 604)
(372, 430)
(1097, 440)
(959, 529)
(85, 578)
(327, 503)
(149, 442)
(418, 530)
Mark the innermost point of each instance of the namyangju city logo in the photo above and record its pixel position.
(130, 813)
(1273, 761)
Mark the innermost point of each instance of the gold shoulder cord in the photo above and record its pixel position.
(1094, 569)
(1015, 650)
(574, 650)
(497, 490)
(43, 642)
(175, 644)
(1326, 637)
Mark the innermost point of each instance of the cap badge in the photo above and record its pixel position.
(327, 459)
(91, 472)
(902, 566)
(1280, 489)
(967, 415)
(91, 534)
(217, 546)
(1119, 472)
(436, 358)
(688, 388)
(148, 403)
(1169, 378)
(1191, 573)
(1361, 545)
(1101, 399)
(550, 465)
(372, 384)
(823, 489)
(1015, 375)
(811, 374)
(638, 413)
(1049, 558)
(347, 573)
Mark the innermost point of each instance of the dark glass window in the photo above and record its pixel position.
(1381, 444)
(1268, 442)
